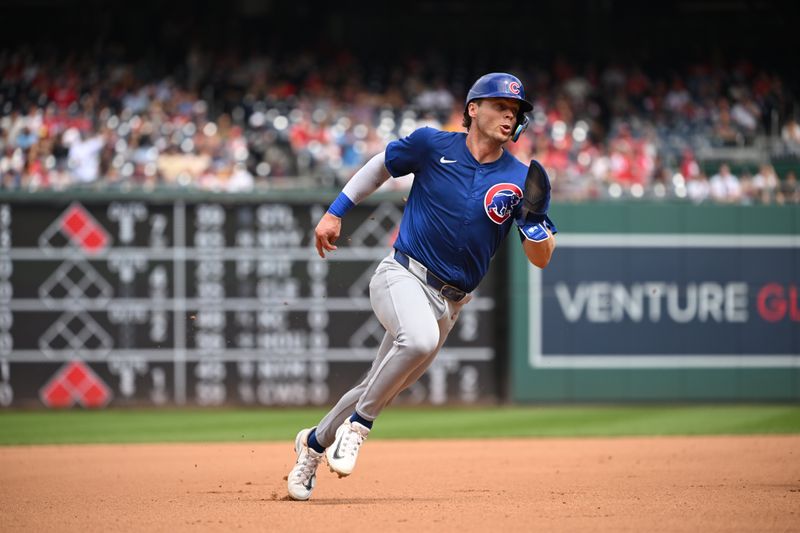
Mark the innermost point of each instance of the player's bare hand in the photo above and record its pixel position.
(327, 232)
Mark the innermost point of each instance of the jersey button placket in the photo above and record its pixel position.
(478, 189)
(466, 198)
(476, 185)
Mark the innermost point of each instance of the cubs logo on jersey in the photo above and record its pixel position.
(500, 201)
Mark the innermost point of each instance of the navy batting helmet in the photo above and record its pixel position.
(502, 85)
(499, 85)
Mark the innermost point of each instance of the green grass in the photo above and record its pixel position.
(219, 425)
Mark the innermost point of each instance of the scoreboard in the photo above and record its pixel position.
(115, 302)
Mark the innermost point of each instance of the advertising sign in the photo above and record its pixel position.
(667, 301)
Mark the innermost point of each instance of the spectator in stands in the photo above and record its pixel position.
(699, 189)
(725, 186)
(749, 194)
(724, 130)
(789, 192)
(790, 133)
(84, 157)
(678, 99)
(746, 116)
(267, 118)
(26, 138)
(766, 184)
(436, 98)
(689, 168)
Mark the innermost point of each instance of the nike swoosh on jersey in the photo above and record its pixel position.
(445, 161)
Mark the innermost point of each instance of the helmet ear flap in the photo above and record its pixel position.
(522, 124)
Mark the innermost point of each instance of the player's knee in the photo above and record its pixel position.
(422, 343)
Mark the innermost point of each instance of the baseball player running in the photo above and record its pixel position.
(467, 193)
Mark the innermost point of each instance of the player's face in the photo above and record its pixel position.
(496, 118)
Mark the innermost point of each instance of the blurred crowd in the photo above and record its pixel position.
(225, 122)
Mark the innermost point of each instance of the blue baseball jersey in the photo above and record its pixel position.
(458, 210)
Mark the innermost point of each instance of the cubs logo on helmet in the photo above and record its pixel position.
(500, 201)
(499, 85)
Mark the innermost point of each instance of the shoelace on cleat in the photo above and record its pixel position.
(308, 466)
(351, 441)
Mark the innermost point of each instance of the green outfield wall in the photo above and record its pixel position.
(659, 302)
(112, 298)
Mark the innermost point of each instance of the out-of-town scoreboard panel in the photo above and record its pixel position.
(208, 303)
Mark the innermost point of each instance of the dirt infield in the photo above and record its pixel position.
(630, 484)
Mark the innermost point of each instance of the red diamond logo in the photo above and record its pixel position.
(75, 375)
(56, 395)
(95, 396)
(75, 382)
(94, 241)
(74, 220)
(79, 228)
